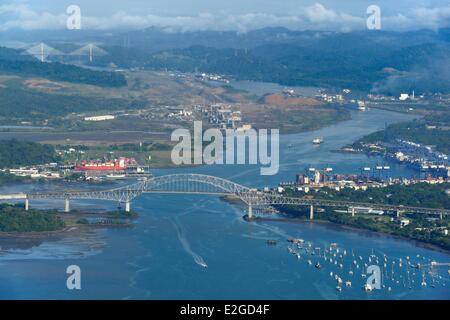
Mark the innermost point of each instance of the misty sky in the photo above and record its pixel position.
(241, 15)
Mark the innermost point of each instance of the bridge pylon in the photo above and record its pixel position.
(27, 204)
(127, 206)
(67, 205)
(311, 212)
(250, 212)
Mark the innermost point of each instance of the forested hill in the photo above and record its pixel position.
(12, 62)
(384, 62)
(363, 65)
(15, 153)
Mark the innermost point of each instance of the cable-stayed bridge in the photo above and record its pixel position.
(205, 184)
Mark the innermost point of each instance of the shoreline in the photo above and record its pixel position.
(66, 231)
(36, 234)
(417, 243)
(285, 219)
(72, 227)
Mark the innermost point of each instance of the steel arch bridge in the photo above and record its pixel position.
(187, 183)
(176, 183)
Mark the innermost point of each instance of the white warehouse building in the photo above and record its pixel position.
(100, 118)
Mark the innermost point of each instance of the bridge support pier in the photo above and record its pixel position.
(27, 204)
(66, 205)
(250, 212)
(353, 211)
(311, 213)
(127, 206)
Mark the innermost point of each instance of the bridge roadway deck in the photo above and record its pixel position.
(204, 184)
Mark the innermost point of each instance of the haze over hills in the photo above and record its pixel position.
(155, 39)
(14, 62)
(377, 61)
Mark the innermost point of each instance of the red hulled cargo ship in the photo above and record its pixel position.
(120, 164)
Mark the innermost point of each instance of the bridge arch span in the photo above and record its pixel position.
(192, 184)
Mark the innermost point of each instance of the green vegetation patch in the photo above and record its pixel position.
(421, 228)
(15, 153)
(6, 178)
(28, 104)
(16, 219)
(416, 195)
(432, 130)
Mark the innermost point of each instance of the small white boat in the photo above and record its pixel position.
(114, 176)
(361, 105)
(317, 140)
(424, 282)
(367, 287)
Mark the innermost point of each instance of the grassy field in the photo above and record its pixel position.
(156, 155)
(142, 111)
(141, 103)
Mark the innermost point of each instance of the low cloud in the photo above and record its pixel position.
(432, 76)
(419, 18)
(316, 17)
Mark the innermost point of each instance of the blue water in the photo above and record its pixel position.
(162, 255)
(261, 88)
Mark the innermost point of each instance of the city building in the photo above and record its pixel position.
(403, 97)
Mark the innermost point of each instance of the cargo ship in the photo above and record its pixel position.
(120, 164)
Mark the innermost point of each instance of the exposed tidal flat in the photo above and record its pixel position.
(164, 255)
